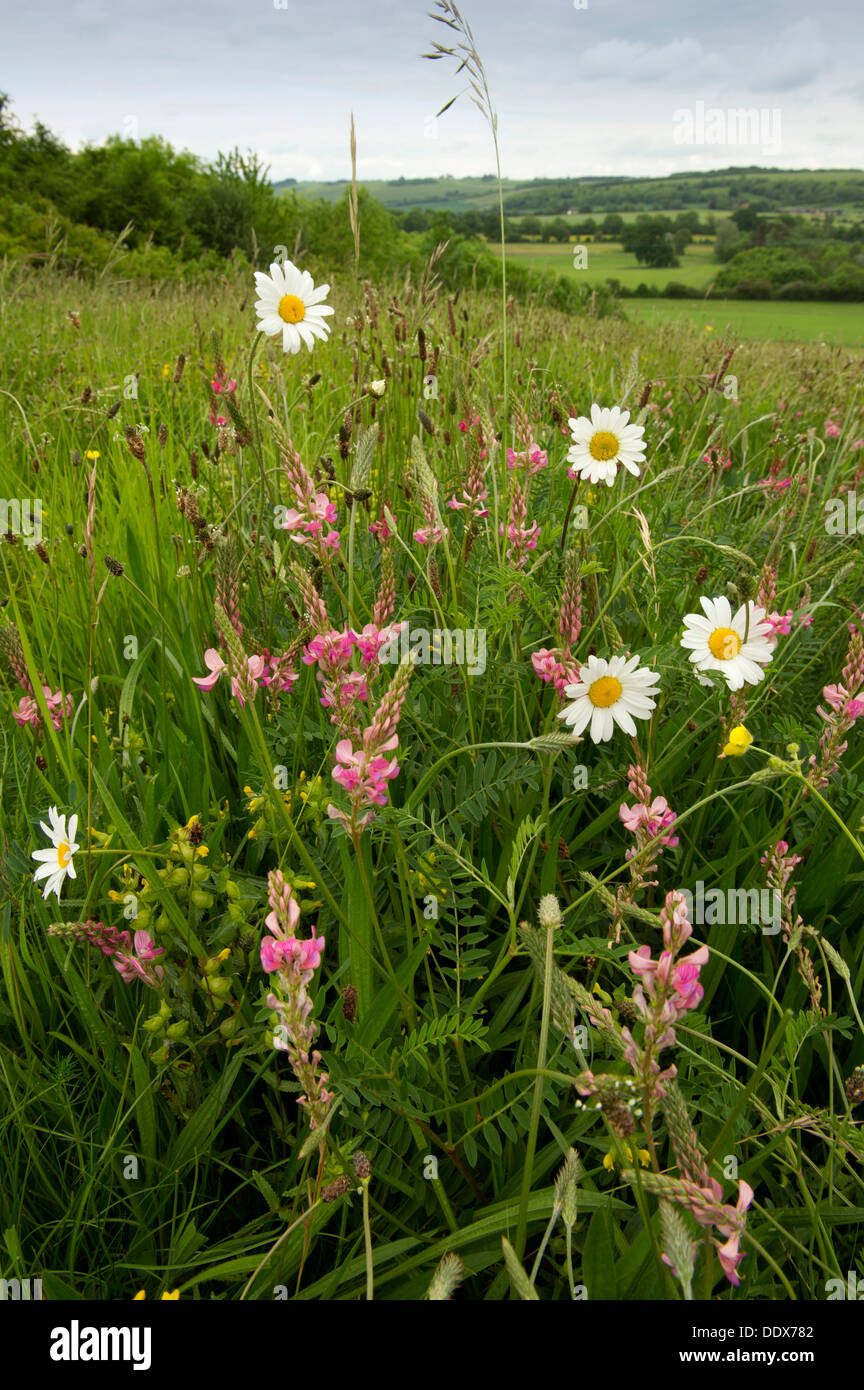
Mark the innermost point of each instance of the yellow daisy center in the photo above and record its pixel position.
(604, 692)
(724, 643)
(604, 445)
(63, 853)
(291, 309)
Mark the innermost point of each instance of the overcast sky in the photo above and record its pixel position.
(591, 90)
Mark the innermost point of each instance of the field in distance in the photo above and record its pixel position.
(606, 260)
(838, 325)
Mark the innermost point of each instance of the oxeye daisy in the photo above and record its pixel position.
(288, 303)
(56, 863)
(736, 646)
(604, 441)
(609, 693)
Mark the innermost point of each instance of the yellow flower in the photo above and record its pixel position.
(168, 1297)
(92, 454)
(202, 851)
(166, 370)
(739, 741)
(642, 1154)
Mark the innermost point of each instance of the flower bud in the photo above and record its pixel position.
(178, 1030)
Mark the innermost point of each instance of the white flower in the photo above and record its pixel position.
(56, 863)
(604, 441)
(288, 303)
(737, 647)
(609, 693)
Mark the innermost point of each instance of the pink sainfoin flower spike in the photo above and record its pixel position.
(555, 665)
(532, 457)
(521, 536)
(132, 962)
(432, 533)
(381, 530)
(780, 865)
(244, 683)
(845, 709)
(667, 989)
(781, 623)
(363, 771)
(551, 666)
(648, 819)
(220, 388)
(139, 966)
(293, 963)
(59, 709)
(307, 521)
(570, 613)
(341, 687)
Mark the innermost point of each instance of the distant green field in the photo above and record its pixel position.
(606, 260)
(839, 324)
(719, 190)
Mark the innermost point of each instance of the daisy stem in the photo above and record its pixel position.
(567, 514)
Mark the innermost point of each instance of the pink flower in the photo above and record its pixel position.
(533, 458)
(654, 818)
(332, 650)
(430, 535)
(685, 981)
(366, 776)
(306, 520)
(522, 537)
(215, 665)
(781, 625)
(219, 388)
(244, 686)
(140, 966)
(381, 530)
(350, 687)
(280, 675)
(555, 666)
(469, 501)
(832, 429)
(59, 708)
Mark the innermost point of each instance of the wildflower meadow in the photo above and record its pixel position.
(432, 815)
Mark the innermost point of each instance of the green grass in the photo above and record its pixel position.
(839, 324)
(459, 1051)
(606, 260)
